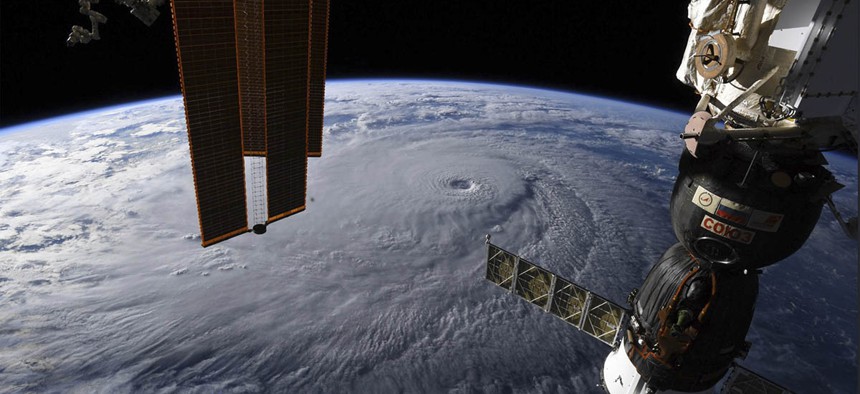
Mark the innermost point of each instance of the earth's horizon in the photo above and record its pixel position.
(378, 286)
(501, 84)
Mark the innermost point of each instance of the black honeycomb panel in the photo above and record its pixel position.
(316, 96)
(206, 48)
(250, 52)
(287, 37)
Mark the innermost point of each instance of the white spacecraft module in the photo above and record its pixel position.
(774, 70)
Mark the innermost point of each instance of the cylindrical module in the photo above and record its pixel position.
(689, 321)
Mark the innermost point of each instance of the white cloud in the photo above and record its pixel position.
(378, 285)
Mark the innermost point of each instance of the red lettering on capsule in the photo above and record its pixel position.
(727, 231)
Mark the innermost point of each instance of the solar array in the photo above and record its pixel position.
(206, 48)
(590, 313)
(249, 48)
(744, 381)
(319, 49)
(253, 80)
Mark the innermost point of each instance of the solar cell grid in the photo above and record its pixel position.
(603, 319)
(500, 266)
(533, 283)
(206, 50)
(287, 36)
(568, 302)
(251, 61)
(316, 98)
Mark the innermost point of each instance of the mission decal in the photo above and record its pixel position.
(727, 231)
(736, 213)
(765, 221)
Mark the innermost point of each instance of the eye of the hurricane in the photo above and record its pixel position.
(457, 184)
(461, 184)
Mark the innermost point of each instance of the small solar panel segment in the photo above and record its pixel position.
(206, 51)
(533, 283)
(316, 98)
(287, 36)
(500, 266)
(568, 302)
(603, 320)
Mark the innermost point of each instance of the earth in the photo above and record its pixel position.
(378, 286)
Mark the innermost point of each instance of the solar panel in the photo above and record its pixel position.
(249, 45)
(603, 320)
(316, 97)
(533, 283)
(206, 50)
(287, 35)
(500, 266)
(246, 68)
(568, 302)
(577, 306)
(744, 381)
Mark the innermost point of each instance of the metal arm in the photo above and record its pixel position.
(81, 34)
(145, 10)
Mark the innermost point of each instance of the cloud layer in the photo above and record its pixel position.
(378, 286)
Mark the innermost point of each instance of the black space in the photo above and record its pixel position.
(621, 49)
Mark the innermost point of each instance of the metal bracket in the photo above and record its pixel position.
(743, 96)
(515, 274)
(850, 226)
(585, 308)
(549, 299)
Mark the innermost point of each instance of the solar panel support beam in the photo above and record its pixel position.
(616, 340)
(552, 282)
(586, 307)
(515, 274)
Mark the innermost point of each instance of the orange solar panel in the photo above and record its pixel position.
(245, 68)
(316, 97)
(206, 50)
(251, 65)
(287, 51)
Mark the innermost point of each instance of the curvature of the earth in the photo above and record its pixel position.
(378, 286)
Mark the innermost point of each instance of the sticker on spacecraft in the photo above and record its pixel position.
(734, 212)
(765, 221)
(727, 231)
(706, 200)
